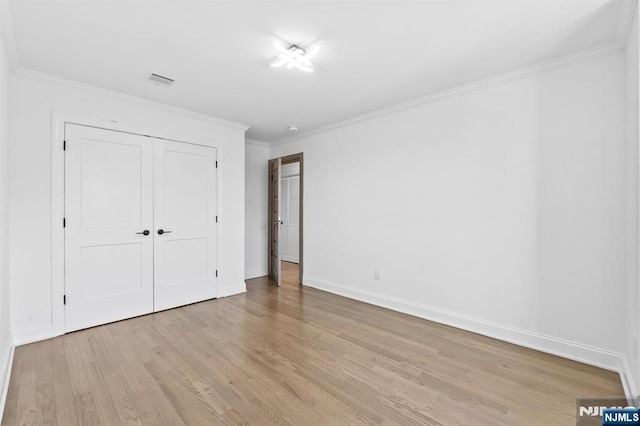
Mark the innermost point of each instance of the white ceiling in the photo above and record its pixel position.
(373, 54)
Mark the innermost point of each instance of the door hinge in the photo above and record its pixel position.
(64, 222)
(216, 164)
(64, 299)
(64, 145)
(216, 219)
(216, 272)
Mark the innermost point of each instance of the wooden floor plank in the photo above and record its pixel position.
(11, 404)
(62, 388)
(44, 378)
(291, 355)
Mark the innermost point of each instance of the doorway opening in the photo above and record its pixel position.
(286, 178)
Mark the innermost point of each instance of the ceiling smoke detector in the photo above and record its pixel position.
(159, 80)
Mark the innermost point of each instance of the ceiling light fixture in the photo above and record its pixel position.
(293, 128)
(294, 57)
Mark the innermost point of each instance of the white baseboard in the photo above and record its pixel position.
(567, 349)
(628, 383)
(34, 334)
(255, 273)
(290, 259)
(5, 376)
(232, 291)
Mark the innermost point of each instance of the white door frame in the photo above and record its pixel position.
(58, 121)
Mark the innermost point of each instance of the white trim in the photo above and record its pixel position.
(6, 368)
(232, 291)
(34, 334)
(57, 232)
(552, 345)
(40, 76)
(588, 54)
(219, 206)
(257, 143)
(628, 383)
(255, 273)
(7, 38)
(625, 21)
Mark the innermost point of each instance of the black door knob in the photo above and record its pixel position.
(145, 232)
(162, 231)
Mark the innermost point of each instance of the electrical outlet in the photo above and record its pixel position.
(376, 274)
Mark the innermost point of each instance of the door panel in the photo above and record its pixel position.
(186, 260)
(283, 243)
(110, 167)
(294, 219)
(294, 245)
(290, 212)
(275, 191)
(185, 209)
(101, 279)
(186, 182)
(108, 201)
(284, 240)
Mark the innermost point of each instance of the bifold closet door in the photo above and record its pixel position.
(108, 208)
(185, 224)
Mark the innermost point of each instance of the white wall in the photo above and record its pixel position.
(33, 100)
(632, 295)
(500, 210)
(5, 335)
(256, 205)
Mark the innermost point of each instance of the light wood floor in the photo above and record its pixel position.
(291, 355)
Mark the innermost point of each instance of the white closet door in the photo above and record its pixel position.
(284, 216)
(185, 224)
(108, 206)
(294, 219)
(290, 209)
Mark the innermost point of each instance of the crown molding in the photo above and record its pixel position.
(49, 78)
(7, 39)
(584, 55)
(257, 143)
(628, 11)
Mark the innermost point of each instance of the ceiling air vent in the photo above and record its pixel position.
(159, 79)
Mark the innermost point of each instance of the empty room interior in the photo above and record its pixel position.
(319, 212)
